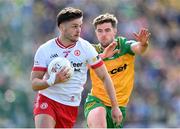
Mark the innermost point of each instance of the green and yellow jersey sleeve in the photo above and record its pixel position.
(121, 70)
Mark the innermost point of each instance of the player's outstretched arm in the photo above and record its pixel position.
(142, 43)
(108, 84)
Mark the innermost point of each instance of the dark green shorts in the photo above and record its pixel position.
(92, 102)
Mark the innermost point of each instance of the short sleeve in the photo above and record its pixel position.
(39, 61)
(125, 46)
(93, 58)
(128, 46)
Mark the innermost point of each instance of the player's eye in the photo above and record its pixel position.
(76, 26)
(108, 30)
(99, 31)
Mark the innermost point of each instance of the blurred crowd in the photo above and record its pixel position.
(26, 24)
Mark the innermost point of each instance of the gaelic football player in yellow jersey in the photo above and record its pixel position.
(120, 65)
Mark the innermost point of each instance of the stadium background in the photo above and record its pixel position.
(26, 24)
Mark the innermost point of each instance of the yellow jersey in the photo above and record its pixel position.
(121, 70)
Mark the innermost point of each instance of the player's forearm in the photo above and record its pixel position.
(139, 48)
(102, 73)
(142, 48)
(38, 84)
(110, 90)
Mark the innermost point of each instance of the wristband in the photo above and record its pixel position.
(51, 79)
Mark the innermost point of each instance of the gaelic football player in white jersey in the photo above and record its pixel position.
(56, 105)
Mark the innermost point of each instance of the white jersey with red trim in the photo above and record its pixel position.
(80, 55)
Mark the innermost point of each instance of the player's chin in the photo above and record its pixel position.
(104, 45)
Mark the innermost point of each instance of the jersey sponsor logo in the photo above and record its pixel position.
(54, 55)
(119, 69)
(77, 70)
(77, 66)
(44, 105)
(77, 52)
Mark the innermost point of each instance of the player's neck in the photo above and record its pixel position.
(65, 42)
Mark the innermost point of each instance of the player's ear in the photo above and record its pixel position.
(61, 27)
(115, 31)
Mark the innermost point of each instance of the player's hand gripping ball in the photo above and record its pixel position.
(58, 63)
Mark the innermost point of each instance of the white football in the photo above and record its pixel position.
(58, 63)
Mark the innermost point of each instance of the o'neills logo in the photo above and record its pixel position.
(43, 105)
(77, 53)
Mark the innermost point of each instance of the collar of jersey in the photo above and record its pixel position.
(58, 42)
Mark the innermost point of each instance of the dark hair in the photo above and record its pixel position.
(67, 14)
(105, 18)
